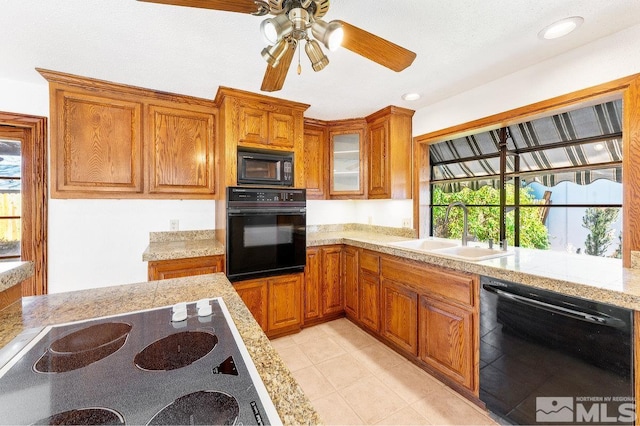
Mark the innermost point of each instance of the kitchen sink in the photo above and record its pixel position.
(424, 244)
(448, 248)
(472, 253)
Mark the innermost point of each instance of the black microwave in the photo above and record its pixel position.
(265, 168)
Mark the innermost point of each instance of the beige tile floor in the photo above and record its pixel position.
(351, 378)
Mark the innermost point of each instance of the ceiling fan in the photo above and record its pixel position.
(298, 20)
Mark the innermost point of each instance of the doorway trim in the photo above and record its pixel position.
(34, 197)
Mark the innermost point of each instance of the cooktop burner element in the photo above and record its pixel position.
(85, 416)
(176, 351)
(83, 347)
(199, 408)
(145, 367)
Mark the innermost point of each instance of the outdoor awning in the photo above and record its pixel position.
(579, 146)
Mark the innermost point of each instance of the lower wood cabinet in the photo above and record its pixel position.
(400, 316)
(428, 313)
(285, 303)
(275, 302)
(446, 339)
(323, 288)
(350, 281)
(369, 290)
(254, 294)
(332, 290)
(431, 313)
(176, 268)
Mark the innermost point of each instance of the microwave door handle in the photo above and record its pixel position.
(560, 310)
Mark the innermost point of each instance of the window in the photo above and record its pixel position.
(10, 199)
(551, 183)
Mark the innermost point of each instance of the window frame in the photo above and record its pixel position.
(503, 175)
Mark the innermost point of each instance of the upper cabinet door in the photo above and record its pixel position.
(314, 163)
(281, 130)
(346, 164)
(96, 145)
(379, 160)
(181, 150)
(253, 125)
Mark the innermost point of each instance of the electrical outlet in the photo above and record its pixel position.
(174, 224)
(406, 223)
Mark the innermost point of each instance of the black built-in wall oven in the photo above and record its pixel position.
(266, 232)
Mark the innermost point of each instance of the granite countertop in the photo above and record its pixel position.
(590, 277)
(291, 403)
(12, 273)
(182, 245)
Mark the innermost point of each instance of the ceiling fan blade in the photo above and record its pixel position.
(376, 48)
(274, 77)
(240, 6)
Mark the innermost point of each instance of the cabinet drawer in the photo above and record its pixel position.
(370, 262)
(450, 285)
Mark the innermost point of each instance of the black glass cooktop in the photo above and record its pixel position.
(150, 367)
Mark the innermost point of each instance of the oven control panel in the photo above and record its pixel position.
(265, 195)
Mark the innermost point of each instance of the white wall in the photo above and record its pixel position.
(375, 212)
(24, 98)
(97, 243)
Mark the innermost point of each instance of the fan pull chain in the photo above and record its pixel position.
(299, 66)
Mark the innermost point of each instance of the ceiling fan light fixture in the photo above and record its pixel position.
(328, 33)
(299, 18)
(273, 54)
(274, 29)
(317, 57)
(560, 28)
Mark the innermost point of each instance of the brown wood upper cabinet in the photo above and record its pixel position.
(347, 165)
(115, 141)
(256, 121)
(180, 150)
(315, 159)
(257, 125)
(389, 153)
(360, 158)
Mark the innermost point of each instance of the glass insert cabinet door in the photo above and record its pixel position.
(346, 163)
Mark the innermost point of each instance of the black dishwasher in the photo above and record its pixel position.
(548, 358)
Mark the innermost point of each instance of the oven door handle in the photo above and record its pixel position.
(601, 319)
(266, 211)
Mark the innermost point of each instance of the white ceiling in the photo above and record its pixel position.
(459, 44)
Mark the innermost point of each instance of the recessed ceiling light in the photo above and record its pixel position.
(561, 28)
(598, 147)
(411, 96)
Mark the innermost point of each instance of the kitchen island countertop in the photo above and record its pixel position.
(291, 403)
(589, 277)
(12, 273)
(182, 245)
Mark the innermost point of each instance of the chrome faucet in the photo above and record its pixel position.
(465, 219)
